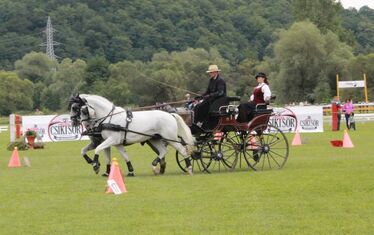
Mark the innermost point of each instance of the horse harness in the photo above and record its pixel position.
(96, 130)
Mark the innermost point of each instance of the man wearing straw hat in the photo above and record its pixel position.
(216, 89)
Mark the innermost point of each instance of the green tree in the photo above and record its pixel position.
(323, 13)
(67, 80)
(36, 67)
(360, 65)
(307, 63)
(125, 78)
(97, 71)
(15, 93)
(39, 69)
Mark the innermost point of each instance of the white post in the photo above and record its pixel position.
(12, 127)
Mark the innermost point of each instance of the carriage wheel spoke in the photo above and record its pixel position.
(273, 149)
(271, 156)
(275, 153)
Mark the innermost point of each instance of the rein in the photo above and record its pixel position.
(137, 109)
(113, 127)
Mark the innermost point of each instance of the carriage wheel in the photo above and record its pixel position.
(266, 147)
(223, 154)
(236, 140)
(194, 157)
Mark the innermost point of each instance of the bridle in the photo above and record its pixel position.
(76, 103)
(80, 106)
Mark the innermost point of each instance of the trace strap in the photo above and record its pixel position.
(114, 127)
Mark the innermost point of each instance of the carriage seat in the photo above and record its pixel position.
(221, 104)
(263, 111)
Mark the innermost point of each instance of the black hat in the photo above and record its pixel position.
(261, 75)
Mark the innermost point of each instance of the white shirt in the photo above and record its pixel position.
(265, 90)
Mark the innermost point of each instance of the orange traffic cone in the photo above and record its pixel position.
(347, 143)
(296, 139)
(115, 181)
(14, 159)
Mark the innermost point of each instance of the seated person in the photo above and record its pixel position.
(261, 95)
(216, 89)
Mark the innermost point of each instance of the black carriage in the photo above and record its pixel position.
(224, 144)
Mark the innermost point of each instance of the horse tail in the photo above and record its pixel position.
(183, 130)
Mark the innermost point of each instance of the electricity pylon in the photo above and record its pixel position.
(50, 43)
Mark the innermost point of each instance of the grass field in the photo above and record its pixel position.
(321, 190)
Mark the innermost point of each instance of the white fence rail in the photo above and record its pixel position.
(359, 117)
(3, 128)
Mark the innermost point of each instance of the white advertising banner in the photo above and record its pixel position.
(309, 118)
(53, 128)
(285, 119)
(304, 118)
(351, 84)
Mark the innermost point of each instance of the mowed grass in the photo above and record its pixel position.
(321, 190)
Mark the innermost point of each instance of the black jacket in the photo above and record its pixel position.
(216, 88)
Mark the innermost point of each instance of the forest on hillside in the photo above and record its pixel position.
(128, 50)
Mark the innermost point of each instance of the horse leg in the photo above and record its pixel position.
(108, 160)
(123, 153)
(161, 161)
(182, 150)
(105, 144)
(159, 147)
(162, 166)
(84, 151)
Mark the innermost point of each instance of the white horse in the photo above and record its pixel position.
(96, 139)
(119, 127)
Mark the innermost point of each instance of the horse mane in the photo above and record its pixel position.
(97, 97)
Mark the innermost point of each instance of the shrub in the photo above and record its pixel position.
(31, 133)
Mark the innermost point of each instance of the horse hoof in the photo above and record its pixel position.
(189, 170)
(96, 167)
(131, 174)
(156, 170)
(105, 175)
(162, 167)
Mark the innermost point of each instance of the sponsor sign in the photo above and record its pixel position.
(309, 118)
(53, 128)
(61, 129)
(351, 84)
(284, 119)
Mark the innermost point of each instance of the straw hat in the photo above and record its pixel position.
(213, 68)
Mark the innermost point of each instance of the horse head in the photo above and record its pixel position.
(86, 108)
(76, 99)
(87, 115)
(75, 114)
(75, 105)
